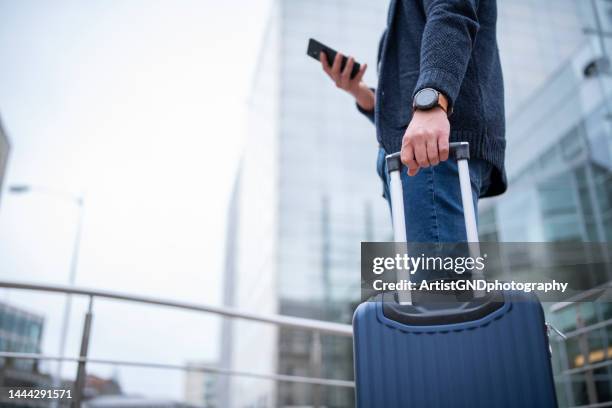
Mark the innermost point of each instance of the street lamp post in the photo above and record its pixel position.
(79, 201)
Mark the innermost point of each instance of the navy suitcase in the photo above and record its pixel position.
(488, 351)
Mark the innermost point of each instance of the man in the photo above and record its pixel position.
(440, 80)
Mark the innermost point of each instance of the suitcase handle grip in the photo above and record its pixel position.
(457, 150)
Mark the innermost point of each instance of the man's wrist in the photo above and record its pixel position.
(365, 97)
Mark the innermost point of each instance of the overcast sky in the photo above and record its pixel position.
(141, 106)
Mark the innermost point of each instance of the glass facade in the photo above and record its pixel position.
(309, 194)
(535, 37)
(20, 332)
(201, 388)
(559, 167)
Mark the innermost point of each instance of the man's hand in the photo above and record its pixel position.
(425, 142)
(356, 87)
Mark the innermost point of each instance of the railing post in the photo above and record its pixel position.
(583, 346)
(79, 384)
(317, 368)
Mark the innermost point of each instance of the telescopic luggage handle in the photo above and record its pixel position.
(461, 152)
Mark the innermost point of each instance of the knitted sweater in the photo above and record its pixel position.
(451, 46)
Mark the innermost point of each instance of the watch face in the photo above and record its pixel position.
(426, 98)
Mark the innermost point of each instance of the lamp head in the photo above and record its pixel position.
(19, 188)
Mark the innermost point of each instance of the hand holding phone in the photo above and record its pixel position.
(345, 72)
(315, 49)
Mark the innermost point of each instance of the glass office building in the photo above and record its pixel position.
(201, 388)
(559, 168)
(308, 195)
(20, 332)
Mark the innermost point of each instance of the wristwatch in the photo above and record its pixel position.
(429, 98)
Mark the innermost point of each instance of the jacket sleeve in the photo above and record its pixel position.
(450, 31)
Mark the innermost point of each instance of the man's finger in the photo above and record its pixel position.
(443, 148)
(325, 63)
(432, 152)
(361, 73)
(407, 156)
(335, 70)
(420, 154)
(346, 72)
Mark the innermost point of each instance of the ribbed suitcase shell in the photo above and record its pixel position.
(500, 360)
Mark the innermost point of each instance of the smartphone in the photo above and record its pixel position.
(315, 48)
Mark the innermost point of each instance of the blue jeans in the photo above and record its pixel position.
(432, 199)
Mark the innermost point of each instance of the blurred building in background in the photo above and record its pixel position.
(20, 332)
(535, 38)
(96, 386)
(4, 152)
(126, 401)
(229, 296)
(559, 163)
(201, 388)
(308, 195)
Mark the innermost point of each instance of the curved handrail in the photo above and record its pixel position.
(279, 320)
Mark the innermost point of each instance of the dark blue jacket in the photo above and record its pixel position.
(451, 46)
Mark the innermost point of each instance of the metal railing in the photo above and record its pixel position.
(316, 326)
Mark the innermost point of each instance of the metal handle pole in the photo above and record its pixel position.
(461, 151)
(469, 214)
(394, 165)
(397, 207)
